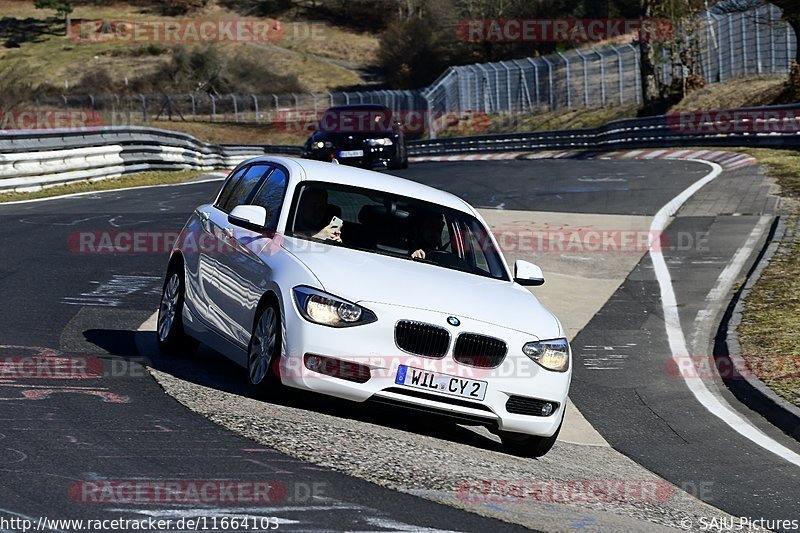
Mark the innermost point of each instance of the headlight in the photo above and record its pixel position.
(319, 145)
(322, 308)
(379, 142)
(552, 355)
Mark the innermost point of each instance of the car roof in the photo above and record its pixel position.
(368, 179)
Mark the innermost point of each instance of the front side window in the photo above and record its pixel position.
(270, 196)
(398, 226)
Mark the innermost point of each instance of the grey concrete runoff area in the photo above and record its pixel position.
(631, 420)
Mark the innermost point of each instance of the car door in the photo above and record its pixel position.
(198, 246)
(223, 286)
(248, 264)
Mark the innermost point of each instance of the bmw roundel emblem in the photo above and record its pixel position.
(453, 321)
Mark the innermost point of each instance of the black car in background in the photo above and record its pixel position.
(364, 135)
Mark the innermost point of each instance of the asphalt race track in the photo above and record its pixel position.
(66, 432)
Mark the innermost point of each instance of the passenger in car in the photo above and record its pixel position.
(316, 217)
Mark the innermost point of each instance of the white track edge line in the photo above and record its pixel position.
(677, 339)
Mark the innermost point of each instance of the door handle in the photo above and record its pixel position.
(205, 220)
(228, 233)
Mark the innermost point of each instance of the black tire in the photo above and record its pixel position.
(404, 164)
(529, 445)
(172, 338)
(263, 353)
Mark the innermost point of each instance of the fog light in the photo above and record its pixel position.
(337, 368)
(314, 363)
(547, 409)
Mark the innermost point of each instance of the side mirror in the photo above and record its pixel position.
(252, 217)
(528, 274)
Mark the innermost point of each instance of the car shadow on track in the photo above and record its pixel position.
(209, 368)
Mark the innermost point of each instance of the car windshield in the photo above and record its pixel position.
(398, 226)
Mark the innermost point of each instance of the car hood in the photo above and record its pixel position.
(363, 277)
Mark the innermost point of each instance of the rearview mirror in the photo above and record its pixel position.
(252, 217)
(528, 274)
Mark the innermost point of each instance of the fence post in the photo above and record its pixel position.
(788, 31)
(758, 42)
(551, 97)
(569, 80)
(277, 101)
(730, 44)
(744, 44)
(235, 108)
(143, 99)
(621, 73)
(429, 118)
(496, 86)
(718, 44)
(585, 78)
(213, 107)
(194, 107)
(508, 85)
(637, 75)
(535, 80)
(602, 75)
(255, 105)
(772, 37)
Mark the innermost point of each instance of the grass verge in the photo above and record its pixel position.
(770, 328)
(142, 179)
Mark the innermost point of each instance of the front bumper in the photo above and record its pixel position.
(373, 345)
(375, 157)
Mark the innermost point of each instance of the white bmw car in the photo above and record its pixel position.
(365, 286)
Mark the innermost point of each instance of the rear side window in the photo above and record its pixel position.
(244, 188)
(271, 196)
(229, 185)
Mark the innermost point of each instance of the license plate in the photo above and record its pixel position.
(351, 153)
(441, 383)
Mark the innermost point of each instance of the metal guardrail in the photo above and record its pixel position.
(765, 127)
(32, 160)
(35, 159)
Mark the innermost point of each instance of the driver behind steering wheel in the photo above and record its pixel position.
(428, 235)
